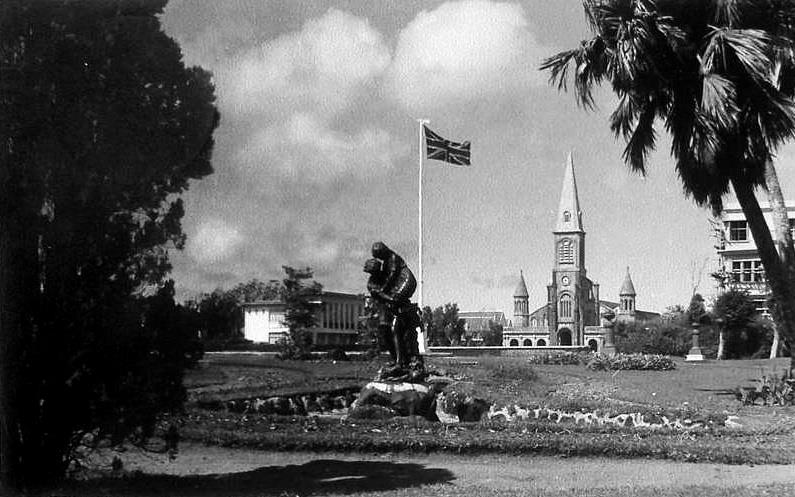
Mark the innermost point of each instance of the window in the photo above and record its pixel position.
(747, 271)
(566, 216)
(566, 252)
(565, 306)
(738, 231)
(541, 343)
(527, 342)
(514, 342)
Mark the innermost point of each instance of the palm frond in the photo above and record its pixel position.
(642, 140)
(750, 48)
(724, 13)
(719, 100)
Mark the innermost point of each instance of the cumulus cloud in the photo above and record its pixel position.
(462, 51)
(305, 146)
(320, 68)
(214, 241)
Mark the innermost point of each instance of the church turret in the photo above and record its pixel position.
(521, 307)
(627, 296)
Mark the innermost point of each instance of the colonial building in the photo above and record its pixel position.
(476, 323)
(572, 314)
(337, 319)
(739, 265)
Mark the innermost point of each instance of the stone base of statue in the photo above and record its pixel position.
(694, 356)
(387, 399)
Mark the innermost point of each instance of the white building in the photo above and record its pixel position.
(337, 319)
(739, 265)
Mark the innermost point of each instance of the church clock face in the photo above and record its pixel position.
(565, 281)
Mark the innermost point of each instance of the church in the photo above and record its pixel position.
(572, 314)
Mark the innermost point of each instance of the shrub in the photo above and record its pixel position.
(601, 362)
(560, 358)
(336, 354)
(772, 390)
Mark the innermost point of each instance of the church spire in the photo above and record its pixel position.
(521, 288)
(569, 216)
(627, 288)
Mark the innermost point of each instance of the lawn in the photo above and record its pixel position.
(703, 389)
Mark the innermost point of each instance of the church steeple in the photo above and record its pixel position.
(627, 296)
(521, 307)
(569, 216)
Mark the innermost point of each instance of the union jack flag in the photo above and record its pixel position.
(445, 150)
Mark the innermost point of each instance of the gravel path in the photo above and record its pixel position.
(318, 473)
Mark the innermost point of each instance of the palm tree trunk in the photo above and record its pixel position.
(783, 235)
(721, 344)
(779, 279)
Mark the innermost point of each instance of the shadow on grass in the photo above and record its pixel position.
(315, 477)
(718, 391)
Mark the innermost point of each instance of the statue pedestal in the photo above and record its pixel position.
(396, 398)
(695, 355)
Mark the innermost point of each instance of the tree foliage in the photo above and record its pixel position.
(300, 295)
(738, 317)
(493, 336)
(442, 324)
(101, 128)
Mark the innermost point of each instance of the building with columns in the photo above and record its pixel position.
(572, 313)
(337, 319)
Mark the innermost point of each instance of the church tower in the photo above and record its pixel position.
(626, 295)
(521, 304)
(570, 296)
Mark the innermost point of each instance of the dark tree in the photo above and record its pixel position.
(300, 294)
(220, 315)
(101, 128)
(493, 336)
(443, 325)
(735, 315)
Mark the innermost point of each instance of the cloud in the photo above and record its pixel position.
(461, 51)
(320, 68)
(306, 148)
(214, 241)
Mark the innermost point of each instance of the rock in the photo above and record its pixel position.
(402, 398)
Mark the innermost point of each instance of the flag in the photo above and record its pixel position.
(445, 150)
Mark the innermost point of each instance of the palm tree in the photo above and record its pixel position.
(720, 76)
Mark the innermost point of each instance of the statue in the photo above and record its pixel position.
(391, 285)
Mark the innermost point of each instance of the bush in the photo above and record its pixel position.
(560, 358)
(336, 354)
(667, 339)
(601, 362)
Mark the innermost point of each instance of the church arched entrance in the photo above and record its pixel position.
(527, 342)
(593, 345)
(541, 343)
(514, 342)
(564, 336)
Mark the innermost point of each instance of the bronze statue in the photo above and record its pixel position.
(391, 285)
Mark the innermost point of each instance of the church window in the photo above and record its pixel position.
(534, 322)
(738, 231)
(527, 342)
(566, 252)
(566, 216)
(541, 343)
(565, 306)
(514, 342)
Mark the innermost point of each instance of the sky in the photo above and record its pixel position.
(316, 154)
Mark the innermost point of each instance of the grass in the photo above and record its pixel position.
(697, 390)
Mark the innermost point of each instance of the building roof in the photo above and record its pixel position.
(521, 288)
(569, 215)
(320, 297)
(627, 288)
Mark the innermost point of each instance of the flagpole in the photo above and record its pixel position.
(422, 340)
